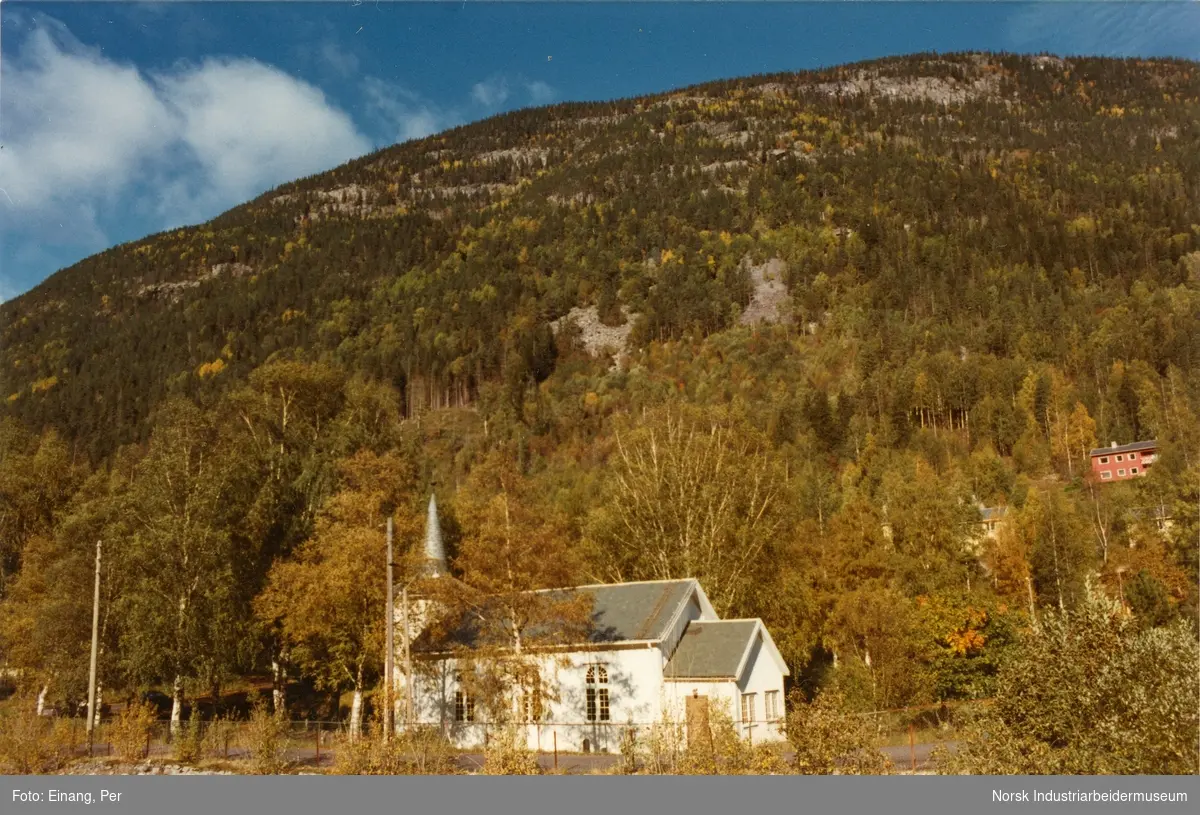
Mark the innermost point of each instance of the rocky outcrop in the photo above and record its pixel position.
(770, 300)
(172, 291)
(597, 337)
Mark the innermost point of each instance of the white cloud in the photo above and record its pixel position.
(82, 133)
(75, 125)
(491, 93)
(341, 62)
(402, 114)
(251, 126)
(540, 93)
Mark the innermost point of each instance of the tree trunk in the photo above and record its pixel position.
(279, 679)
(177, 705)
(41, 699)
(356, 715)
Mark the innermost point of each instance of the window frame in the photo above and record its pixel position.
(771, 705)
(464, 707)
(464, 702)
(1121, 473)
(597, 703)
(1106, 475)
(748, 705)
(1103, 459)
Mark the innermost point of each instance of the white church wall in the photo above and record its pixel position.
(634, 693)
(634, 696)
(722, 694)
(760, 676)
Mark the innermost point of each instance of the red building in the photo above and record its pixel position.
(1121, 462)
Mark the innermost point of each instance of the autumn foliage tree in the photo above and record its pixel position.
(690, 498)
(183, 614)
(514, 551)
(329, 599)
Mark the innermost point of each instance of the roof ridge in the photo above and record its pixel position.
(622, 583)
(1095, 451)
(660, 604)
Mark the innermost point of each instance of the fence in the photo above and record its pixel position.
(315, 743)
(300, 742)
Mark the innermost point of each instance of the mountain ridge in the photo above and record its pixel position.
(504, 207)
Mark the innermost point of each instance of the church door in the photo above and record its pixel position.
(696, 710)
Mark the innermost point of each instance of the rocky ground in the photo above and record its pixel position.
(108, 766)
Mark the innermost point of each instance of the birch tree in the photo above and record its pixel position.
(284, 419)
(513, 545)
(179, 609)
(46, 621)
(687, 499)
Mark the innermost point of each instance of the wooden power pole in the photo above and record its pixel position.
(388, 678)
(91, 719)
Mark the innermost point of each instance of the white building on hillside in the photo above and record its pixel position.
(656, 650)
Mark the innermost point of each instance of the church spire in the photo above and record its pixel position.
(435, 552)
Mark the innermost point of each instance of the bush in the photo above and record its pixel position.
(368, 755)
(629, 751)
(723, 751)
(265, 735)
(1090, 691)
(420, 751)
(662, 748)
(218, 736)
(28, 743)
(828, 739)
(666, 749)
(429, 751)
(188, 744)
(508, 753)
(131, 731)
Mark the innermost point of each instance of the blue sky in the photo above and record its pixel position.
(122, 119)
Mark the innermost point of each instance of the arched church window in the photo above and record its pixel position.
(597, 694)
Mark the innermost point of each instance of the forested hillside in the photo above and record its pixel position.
(786, 334)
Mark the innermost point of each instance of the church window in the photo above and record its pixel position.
(531, 698)
(597, 694)
(464, 702)
(771, 700)
(748, 707)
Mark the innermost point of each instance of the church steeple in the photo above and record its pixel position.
(435, 551)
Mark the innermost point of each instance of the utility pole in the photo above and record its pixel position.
(408, 675)
(91, 720)
(389, 709)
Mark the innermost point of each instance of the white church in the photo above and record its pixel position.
(656, 651)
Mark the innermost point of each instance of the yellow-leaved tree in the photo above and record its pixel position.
(329, 598)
